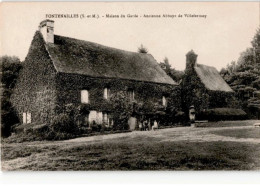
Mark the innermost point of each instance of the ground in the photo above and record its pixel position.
(218, 146)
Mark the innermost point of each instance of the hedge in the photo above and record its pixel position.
(218, 114)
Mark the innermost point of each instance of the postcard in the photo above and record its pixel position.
(130, 86)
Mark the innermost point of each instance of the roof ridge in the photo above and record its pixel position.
(102, 45)
(71, 55)
(207, 66)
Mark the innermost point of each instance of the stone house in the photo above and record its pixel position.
(60, 70)
(204, 88)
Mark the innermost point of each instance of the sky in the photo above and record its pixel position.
(218, 39)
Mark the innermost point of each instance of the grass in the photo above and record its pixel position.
(169, 156)
(144, 155)
(159, 150)
(228, 123)
(240, 133)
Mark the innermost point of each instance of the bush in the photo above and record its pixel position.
(62, 127)
(95, 127)
(180, 116)
(63, 124)
(40, 129)
(218, 114)
(8, 120)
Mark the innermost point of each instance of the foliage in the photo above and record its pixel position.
(173, 73)
(122, 110)
(10, 67)
(69, 123)
(142, 49)
(244, 77)
(218, 114)
(198, 150)
(62, 123)
(256, 46)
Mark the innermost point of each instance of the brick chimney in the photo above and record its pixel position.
(46, 27)
(191, 59)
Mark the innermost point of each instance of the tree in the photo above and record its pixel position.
(173, 73)
(256, 46)
(244, 77)
(167, 64)
(142, 49)
(10, 67)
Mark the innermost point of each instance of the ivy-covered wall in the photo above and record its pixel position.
(70, 85)
(35, 91)
(43, 92)
(195, 93)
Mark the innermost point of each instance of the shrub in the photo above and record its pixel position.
(218, 114)
(40, 129)
(97, 127)
(122, 110)
(62, 123)
(180, 116)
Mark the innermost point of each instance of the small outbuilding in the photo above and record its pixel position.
(206, 90)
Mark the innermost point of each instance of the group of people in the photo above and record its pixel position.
(146, 125)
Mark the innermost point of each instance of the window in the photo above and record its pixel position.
(105, 118)
(164, 101)
(27, 117)
(131, 94)
(84, 96)
(106, 93)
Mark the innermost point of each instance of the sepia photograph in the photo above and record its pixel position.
(109, 86)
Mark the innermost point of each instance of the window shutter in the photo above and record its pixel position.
(24, 117)
(29, 119)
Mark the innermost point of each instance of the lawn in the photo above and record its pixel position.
(240, 133)
(229, 123)
(182, 148)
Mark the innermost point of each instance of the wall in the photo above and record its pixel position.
(35, 89)
(69, 86)
(195, 93)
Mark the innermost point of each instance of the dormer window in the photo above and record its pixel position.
(106, 93)
(164, 101)
(84, 96)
